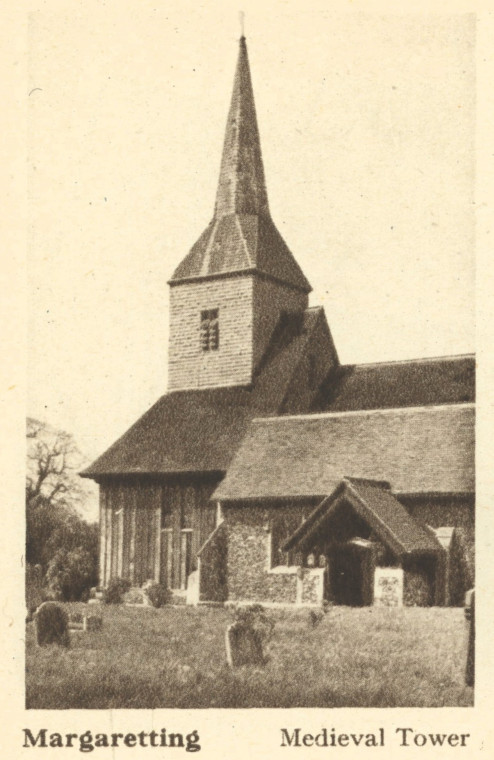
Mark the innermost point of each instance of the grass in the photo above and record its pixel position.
(175, 657)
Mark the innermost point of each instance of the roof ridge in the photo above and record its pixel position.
(423, 359)
(366, 412)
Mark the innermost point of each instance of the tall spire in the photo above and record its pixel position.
(241, 186)
(241, 238)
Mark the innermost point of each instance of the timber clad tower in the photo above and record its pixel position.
(270, 472)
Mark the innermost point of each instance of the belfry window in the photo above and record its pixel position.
(210, 330)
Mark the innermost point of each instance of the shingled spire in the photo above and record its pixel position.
(241, 237)
(241, 186)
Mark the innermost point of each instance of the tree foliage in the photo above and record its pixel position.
(63, 544)
(70, 574)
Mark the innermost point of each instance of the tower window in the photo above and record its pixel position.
(210, 330)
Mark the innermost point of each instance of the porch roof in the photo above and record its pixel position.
(374, 503)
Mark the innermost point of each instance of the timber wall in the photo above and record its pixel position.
(140, 521)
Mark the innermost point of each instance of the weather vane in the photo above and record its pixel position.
(241, 16)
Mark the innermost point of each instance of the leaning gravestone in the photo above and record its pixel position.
(52, 625)
(243, 646)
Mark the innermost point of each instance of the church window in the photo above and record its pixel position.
(282, 528)
(210, 330)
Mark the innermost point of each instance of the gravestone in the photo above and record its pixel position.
(388, 587)
(243, 646)
(79, 621)
(52, 625)
(193, 588)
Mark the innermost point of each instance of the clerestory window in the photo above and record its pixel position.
(210, 330)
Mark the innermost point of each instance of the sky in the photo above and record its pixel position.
(367, 126)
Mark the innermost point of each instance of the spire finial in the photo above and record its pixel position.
(241, 16)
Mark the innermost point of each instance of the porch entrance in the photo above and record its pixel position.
(350, 578)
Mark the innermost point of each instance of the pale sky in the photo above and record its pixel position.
(367, 127)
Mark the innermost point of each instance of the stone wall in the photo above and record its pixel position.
(250, 574)
(417, 587)
(212, 566)
(310, 588)
(454, 512)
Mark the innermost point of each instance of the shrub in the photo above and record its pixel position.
(115, 590)
(52, 625)
(94, 622)
(70, 574)
(157, 594)
(254, 617)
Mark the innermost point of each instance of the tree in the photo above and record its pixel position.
(53, 460)
(55, 496)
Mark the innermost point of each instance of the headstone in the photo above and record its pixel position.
(193, 588)
(388, 587)
(52, 625)
(243, 646)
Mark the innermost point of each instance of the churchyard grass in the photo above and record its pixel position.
(175, 657)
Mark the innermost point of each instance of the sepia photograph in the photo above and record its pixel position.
(250, 437)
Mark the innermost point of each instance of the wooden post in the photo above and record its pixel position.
(157, 541)
(102, 536)
(132, 537)
(119, 518)
(177, 525)
(108, 573)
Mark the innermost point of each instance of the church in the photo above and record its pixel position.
(269, 472)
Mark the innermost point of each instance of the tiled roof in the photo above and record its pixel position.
(242, 236)
(200, 430)
(425, 449)
(241, 243)
(419, 382)
(380, 510)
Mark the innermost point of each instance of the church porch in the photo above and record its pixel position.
(371, 550)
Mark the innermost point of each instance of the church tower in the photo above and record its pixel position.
(227, 295)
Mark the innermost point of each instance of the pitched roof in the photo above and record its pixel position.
(382, 511)
(418, 449)
(419, 382)
(200, 430)
(241, 244)
(241, 236)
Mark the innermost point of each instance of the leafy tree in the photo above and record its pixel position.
(57, 538)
